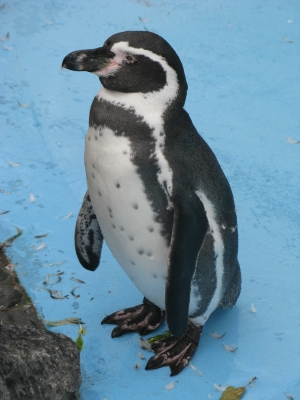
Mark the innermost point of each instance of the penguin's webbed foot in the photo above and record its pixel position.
(143, 319)
(175, 352)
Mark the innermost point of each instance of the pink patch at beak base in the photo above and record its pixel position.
(109, 70)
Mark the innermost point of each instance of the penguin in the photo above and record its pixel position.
(156, 194)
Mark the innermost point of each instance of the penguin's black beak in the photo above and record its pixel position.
(88, 60)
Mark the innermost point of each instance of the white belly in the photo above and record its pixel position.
(124, 213)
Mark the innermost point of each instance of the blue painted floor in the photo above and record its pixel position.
(241, 60)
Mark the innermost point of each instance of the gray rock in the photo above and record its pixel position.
(16, 307)
(37, 364)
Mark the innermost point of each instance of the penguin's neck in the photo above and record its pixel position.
(151, 107)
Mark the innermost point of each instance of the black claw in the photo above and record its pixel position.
(117, 331)
(175, 352)
(155, 362)
(177, 368)
(145, 330)
(142, 319)
(105, 320)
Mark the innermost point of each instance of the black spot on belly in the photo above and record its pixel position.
(118, 186)
(154, 275)
(132, 262)
(131, 238)
(93, 175)
(140, 251)
(95, 137)
(155, 217)
(113, 225)
(100, 194)
(109, 209)
(93, 165)
(89, 138)
(124, 152)
(121, 228)
(149, 253)
(135, 205)
(100, 134)
(111, 216)
(150, 228)
(162, 232)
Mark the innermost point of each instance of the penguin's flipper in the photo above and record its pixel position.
(88, 236)
(175, 352)
(143, 319)
(190, 226)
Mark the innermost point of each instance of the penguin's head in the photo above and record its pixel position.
(131, 62)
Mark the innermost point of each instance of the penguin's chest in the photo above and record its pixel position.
(126, 218)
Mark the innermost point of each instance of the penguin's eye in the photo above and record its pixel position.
(107, 43)
(130, 58)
